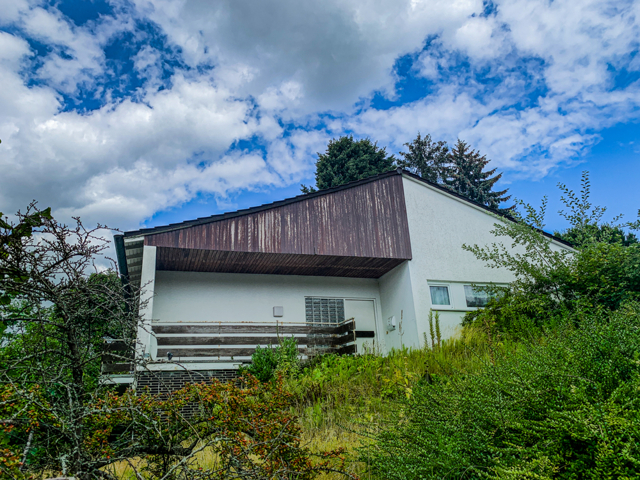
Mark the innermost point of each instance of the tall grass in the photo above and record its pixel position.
(358, 393)
(342, 401)
(566, 407)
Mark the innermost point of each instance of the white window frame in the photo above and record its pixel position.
(472, 285)
(441, 307)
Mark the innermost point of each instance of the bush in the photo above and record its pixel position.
(603, 270)
(566, 407)
(266, 362)
(247, 430)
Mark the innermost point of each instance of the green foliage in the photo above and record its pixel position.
(586, 223)
(551, 281)
(336, 390)
(565, 407)
(247, 427)
(11, 236)
(599, 233)
(51, 352)
(426, 158)
(467, 177)
(530, 255)
(266, 362)
(347, 160)
(434, 330)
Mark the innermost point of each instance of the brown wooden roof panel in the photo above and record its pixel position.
(192, 260)
(367, 220)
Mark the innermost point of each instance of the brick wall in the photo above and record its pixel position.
(167, 382)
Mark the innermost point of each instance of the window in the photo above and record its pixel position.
(439, 295)
(324, 310)
(475, 297)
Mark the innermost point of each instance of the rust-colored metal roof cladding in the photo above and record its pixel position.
(359, 231)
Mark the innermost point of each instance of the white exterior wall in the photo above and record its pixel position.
(238, 297)
(439, 224)
(146, 341)
(397, 301)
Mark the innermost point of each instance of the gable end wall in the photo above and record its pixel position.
(439, 224)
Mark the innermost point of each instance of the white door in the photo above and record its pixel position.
(364, 313)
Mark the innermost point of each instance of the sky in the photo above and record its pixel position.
(132, 113)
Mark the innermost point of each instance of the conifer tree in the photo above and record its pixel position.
(426, 158)
(468, 178)
(347, 160)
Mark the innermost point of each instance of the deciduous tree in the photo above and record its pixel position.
(586, 222)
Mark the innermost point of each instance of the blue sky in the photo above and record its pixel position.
(143, 112)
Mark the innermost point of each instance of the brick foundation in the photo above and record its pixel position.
(159, 382)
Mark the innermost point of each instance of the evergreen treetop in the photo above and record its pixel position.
(347, 160)
(467, 177)
(426, 158)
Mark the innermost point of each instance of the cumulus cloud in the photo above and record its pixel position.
(84, 162)
(236, 94)
(540, 81)
(333, 51)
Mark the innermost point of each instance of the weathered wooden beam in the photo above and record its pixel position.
(116, 367)
(347, 350)
(343, 339)
(249, 340)
(247, 351)
(365, 334)
(222, 328)
(210, 352)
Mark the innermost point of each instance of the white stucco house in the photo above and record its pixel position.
(383, 251)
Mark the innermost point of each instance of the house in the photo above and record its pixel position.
(383, 251)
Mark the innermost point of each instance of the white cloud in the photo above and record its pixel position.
(579, 44)
(335, 51)
(81, 161)
(289, 75)
(480, 37)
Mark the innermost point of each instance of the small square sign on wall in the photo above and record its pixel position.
(278, 311)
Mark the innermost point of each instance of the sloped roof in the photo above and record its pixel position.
(259, 208)
(123, 259)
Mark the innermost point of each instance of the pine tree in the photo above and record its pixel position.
(426, 158)
(347, 160)
(468, 178)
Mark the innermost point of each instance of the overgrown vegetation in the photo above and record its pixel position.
(564, 407)
(57, 417)
(542, 383)
(269, 362)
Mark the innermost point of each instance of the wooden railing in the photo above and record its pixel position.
(117, 357)
(227, 341)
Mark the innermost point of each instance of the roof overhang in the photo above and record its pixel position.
(193, 260)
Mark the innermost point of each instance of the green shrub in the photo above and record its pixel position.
(267, 361)
(602, 271)
(567, 407)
